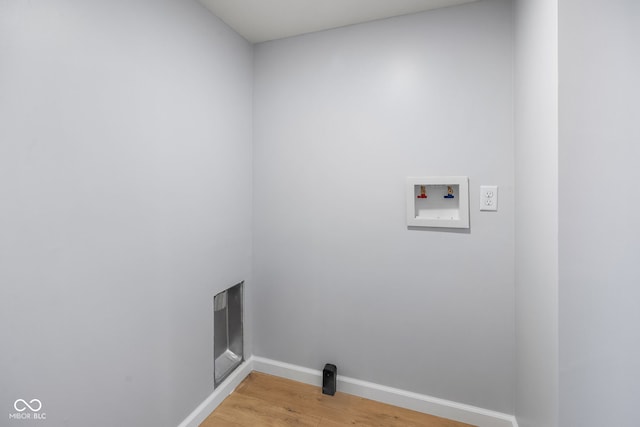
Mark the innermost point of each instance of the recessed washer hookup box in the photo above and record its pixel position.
(438, 201)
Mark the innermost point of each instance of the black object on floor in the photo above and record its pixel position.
(329, 375)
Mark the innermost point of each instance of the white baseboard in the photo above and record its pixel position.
(219, 394)
(393, 396)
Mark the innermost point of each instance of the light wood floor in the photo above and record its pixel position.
(264, 400)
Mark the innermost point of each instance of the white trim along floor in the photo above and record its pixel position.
(393, 396)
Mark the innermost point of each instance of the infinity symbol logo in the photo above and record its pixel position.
(37, 405)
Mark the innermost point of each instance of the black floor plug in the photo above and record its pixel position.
(329, 377)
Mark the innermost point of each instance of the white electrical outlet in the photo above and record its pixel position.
(488, 197)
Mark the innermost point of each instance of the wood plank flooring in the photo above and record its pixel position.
(264, 400)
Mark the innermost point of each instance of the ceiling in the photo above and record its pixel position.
(263, 20)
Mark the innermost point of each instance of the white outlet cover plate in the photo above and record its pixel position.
(488, 197)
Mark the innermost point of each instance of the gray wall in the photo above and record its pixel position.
(536, 212)
(125, 199)
(599, 212)
(341, 118)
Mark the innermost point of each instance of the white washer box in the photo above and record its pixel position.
(438, 201)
